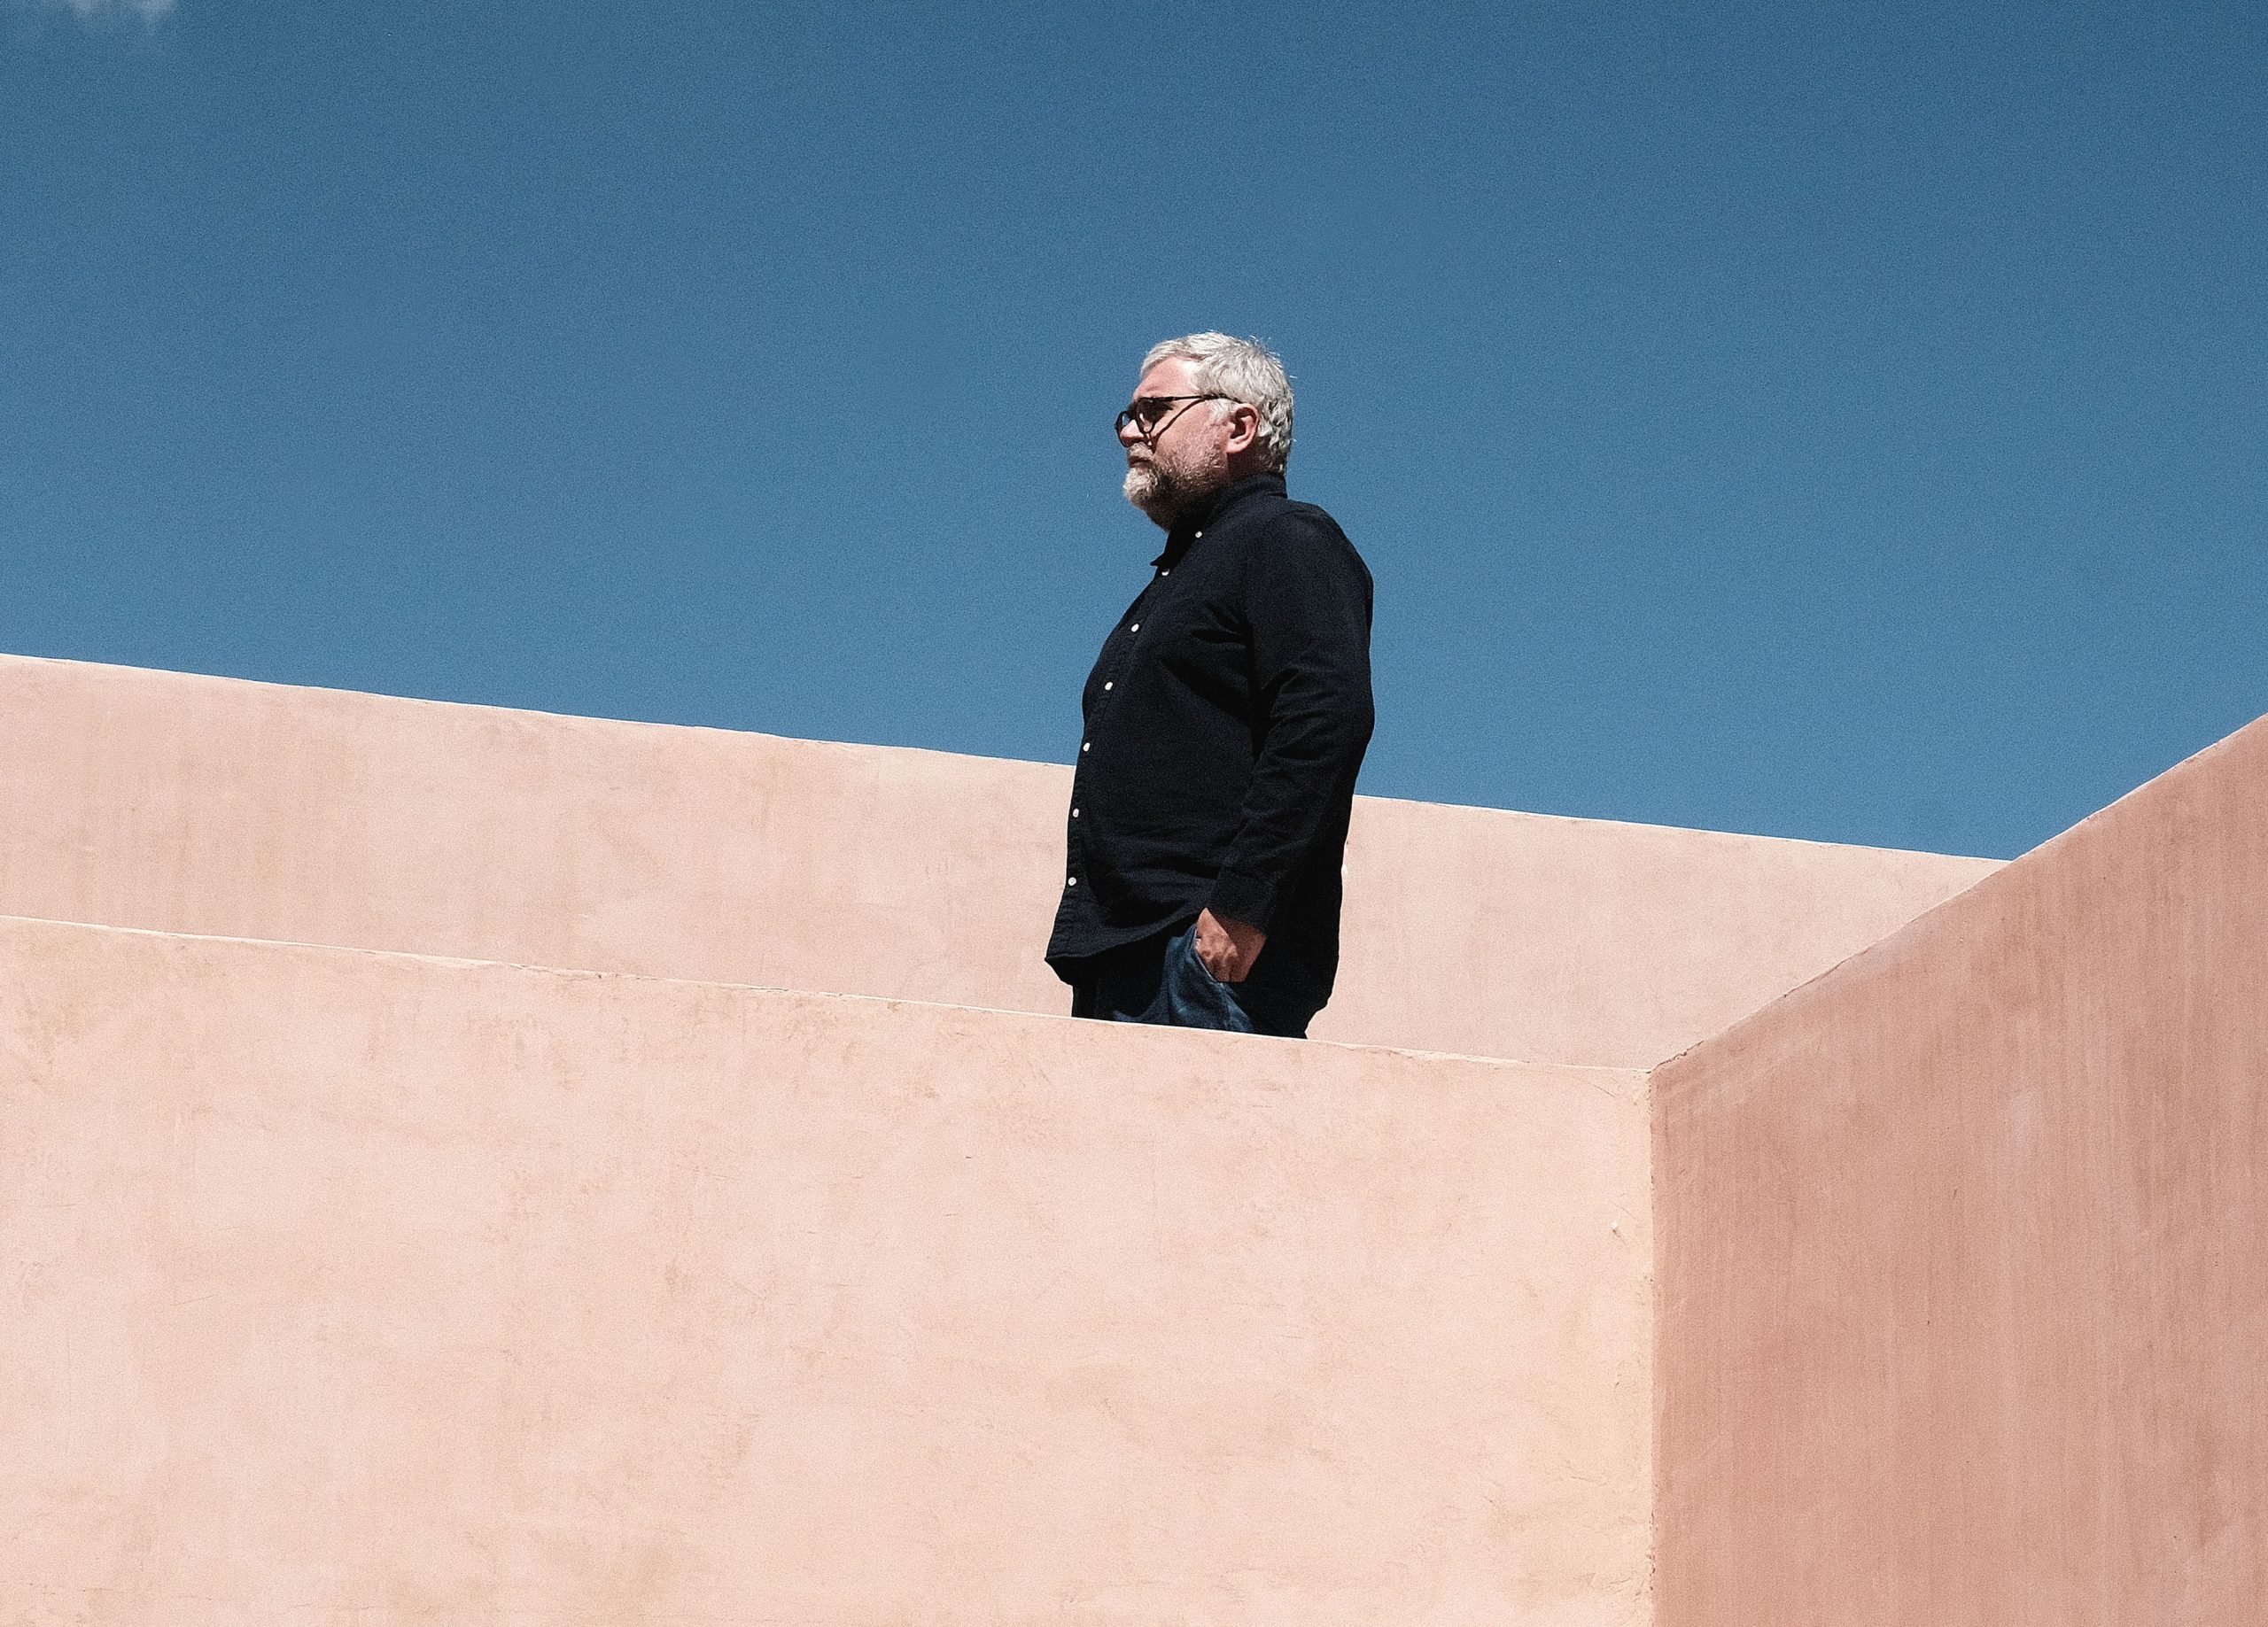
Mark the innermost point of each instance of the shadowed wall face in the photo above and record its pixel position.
(351, 1283)
(1963, 1304)
(200, 805)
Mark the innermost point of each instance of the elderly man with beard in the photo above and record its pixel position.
(1225, 721)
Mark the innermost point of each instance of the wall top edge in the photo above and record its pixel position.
(1984, 865)
(123, 672)
(1623, 1083)
(578, 719)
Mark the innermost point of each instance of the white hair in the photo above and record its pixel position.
(1245, 370)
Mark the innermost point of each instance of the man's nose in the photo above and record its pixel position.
(1128, 436)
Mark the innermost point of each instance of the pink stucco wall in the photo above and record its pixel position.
(340, 1286)
(343, 1287)
(194, 804)
(1963, 1265)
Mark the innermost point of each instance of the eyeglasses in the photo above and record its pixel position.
(1144, 412)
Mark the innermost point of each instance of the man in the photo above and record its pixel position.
(1225, 721)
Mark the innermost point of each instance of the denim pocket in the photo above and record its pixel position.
(1196, 998)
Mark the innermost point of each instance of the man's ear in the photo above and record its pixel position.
(1243, 426)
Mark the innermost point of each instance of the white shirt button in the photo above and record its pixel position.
(1086, 745)
(1136, 628)
(1074, 814)
(1110, 686)
(1167, 572)
(1197, 536)
(1074, 882)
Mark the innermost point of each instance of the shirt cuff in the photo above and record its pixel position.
(1243, 898)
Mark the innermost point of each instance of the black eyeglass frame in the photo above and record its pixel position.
(1150, 425)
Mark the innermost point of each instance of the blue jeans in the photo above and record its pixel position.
(1161, 980)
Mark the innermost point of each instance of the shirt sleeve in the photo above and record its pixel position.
(1307, 603)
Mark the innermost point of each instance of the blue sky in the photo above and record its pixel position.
(1835, 421)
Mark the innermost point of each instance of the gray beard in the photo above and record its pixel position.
(1158, 494)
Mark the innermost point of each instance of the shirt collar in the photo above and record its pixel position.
(1213, 506)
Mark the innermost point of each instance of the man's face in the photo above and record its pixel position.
(1185, 453)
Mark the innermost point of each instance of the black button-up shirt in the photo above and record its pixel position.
(1226, 718)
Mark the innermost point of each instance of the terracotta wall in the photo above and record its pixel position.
(1964, 1253)
(349, 1287)
(195, 804)
(1511, 935)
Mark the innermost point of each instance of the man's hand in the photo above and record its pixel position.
(1227, 946)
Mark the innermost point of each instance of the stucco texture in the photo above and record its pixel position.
(189, 804)
(1964, 1253)
(355, 1288)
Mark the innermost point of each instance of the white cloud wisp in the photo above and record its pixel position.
(105, 10)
